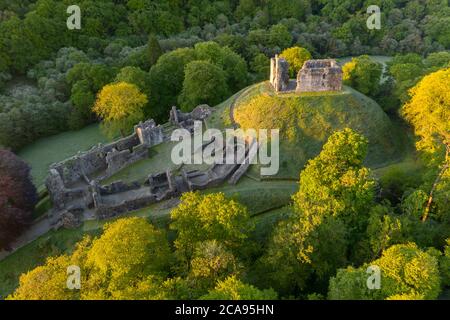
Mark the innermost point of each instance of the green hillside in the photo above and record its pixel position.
(307, 120)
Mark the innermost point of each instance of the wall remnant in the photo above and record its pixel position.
(314, 76)
(187, 120)
(279, 74)
(319, 75)
(75, 187)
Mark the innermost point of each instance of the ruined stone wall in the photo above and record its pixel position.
(149, 133)
(118, 187)
(279, 74)
(187, 120)
(59, 194)
(70, 182)
(319, 75)
(109, 158)
(93, 161)
(106, 212)
(74, 183)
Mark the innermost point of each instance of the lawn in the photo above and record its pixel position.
(42, 153)
(380, 59)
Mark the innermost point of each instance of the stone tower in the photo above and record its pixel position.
(319, 75)
(279, 73)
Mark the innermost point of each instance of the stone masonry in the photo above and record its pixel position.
(315, 76)
(74, 185)
(279, 73)
(319, 75)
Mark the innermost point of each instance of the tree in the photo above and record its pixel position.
(407, 272)
(210, 263)
(204, 83)
(445, 264)
(296, 56)
(279, 9)
(383, 230)
(166, 79)
(438, 28)
(132, 259)
(280, 36)
(329, 215)
(199, 218)
(121, 106)
(427, 111)
(128, 250)
(234, 289)
(82, 100)
(86, 79)
(136, 76)
(232, 64)
(154, 49)
(261, 66)
(128, 261)
(17, 197)
(47, 282)
(363, 74)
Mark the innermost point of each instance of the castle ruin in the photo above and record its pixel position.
(314, 76)
(279, 74)
(319, 75)
(77, 185)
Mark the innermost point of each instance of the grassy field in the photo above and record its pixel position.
(41, 154)
(380, 59)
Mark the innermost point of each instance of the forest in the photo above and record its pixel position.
(133, 60)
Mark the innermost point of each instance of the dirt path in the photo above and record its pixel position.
(37, 229)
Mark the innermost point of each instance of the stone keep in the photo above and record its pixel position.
(279, 73)
(319, 75)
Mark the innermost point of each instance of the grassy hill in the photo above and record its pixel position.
(307, 120)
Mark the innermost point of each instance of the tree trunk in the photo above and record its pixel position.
(435, 184)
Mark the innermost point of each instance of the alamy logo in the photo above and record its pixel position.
(73, 278)
(74, 20)
(374, 280)
(236, 147)
(374, 21)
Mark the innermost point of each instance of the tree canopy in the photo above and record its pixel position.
(363, 74)
(18, 197)
(296, 56)
(407, 272)
(120, 106)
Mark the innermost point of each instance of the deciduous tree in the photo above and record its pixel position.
(204, 83)
(296, 56)
(120, 106)
(428, 112)
(17, 197)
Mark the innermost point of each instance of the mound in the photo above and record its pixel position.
(307, 120)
